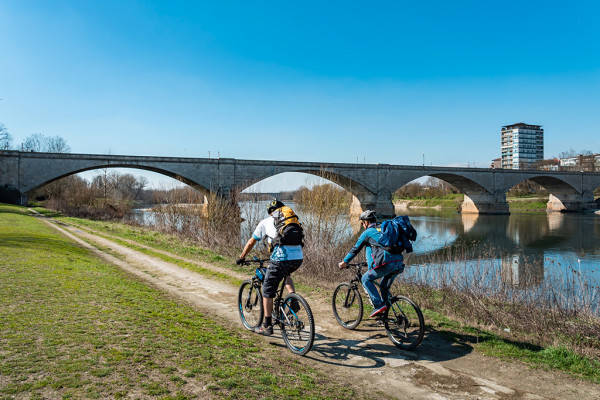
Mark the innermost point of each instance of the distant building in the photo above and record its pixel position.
(589, 163)
(496, 163)
(569, 162)
(552, 164)
(522, 146)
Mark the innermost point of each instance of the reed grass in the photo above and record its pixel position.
(556, 308)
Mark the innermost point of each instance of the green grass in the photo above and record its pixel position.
(527, 205)
(448, 201)
(522, 203)
(73, 326)
(148, 237)
(169, 243)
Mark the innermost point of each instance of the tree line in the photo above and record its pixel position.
(35, 142)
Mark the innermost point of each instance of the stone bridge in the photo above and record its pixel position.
(371, 184)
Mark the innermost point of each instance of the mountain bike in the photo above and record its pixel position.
(403, 320)
(292, 314)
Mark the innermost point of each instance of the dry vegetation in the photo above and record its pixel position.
(548, 310)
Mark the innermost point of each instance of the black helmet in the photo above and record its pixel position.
(274, 205)
(368, 215)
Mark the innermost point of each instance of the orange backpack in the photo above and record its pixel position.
(289, 230)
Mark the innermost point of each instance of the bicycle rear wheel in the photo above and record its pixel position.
(297, 324)
(250, 305)
(347, 305)
(404, 323)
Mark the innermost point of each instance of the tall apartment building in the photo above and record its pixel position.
(522, 145)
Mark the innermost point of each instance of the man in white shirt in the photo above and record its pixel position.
(285, 259)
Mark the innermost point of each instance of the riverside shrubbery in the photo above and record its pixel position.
(553, 309)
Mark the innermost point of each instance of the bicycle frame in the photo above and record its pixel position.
(403, 319)
(357, 280)
(257, 284)
(292, 313)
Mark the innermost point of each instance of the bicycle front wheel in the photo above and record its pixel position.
(250, 305)
(347, 305)
(297, 324)
(404, 323)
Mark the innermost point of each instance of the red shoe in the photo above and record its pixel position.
(379, 311)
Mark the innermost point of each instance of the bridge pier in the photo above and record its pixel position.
(571, 202)
(380, 202)
(485, 204)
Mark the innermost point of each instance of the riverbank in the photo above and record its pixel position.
(454, 202)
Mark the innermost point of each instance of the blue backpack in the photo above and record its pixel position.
(396, 235)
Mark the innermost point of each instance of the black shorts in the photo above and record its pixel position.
(275, 273)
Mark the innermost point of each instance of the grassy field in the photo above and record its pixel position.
(526, 204)
(72, 326)
(449, 201)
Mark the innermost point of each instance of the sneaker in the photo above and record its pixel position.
(379, 311)
(264, 330)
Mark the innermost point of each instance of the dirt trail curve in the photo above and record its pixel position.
(437, 370)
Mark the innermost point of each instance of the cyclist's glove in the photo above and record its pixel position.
(240, 261)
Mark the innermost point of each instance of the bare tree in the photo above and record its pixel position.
(33, 142)
(5, 138)
(49, 144)
(56, 144)
(129, 186)
(567, 154)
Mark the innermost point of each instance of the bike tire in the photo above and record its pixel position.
(250, 305)
(347, 305)
(404, 323)
(297, 327)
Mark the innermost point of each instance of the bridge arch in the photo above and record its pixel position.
(46, 178)
(478, 199)
(564, 196)
(364, 198)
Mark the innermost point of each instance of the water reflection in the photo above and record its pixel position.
(526, 246)
(522, 270)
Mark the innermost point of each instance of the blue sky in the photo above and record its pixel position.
(338, 81)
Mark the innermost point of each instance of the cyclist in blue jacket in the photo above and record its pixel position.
(382, 264)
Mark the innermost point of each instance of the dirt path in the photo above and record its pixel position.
(437, 370)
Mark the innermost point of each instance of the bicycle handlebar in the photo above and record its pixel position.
(358, 265)
(255, 261)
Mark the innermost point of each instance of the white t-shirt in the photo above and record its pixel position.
(266, 227)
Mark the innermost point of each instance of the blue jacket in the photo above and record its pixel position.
(375, 254)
